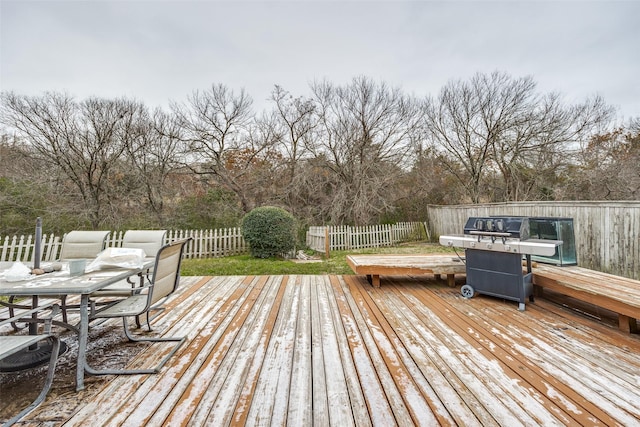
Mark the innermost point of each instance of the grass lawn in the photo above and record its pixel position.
(245, 265)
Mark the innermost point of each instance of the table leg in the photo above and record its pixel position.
(33, 326)
(83, 332)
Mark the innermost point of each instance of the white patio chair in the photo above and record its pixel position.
(12, 344)
(151, 241)
(80, 244)
(164, 281)
(85, 244)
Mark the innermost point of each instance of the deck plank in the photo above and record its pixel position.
(394, 354)
(219, 399)
(335, 351)
(226, 302)
(370, 333)
(139, 403)
(564, 382)
(248, 392)
(377, 406)
(271, 386)
(501, 370)
(300, 411)
(357, 401)
(340, 412)
(462, 365)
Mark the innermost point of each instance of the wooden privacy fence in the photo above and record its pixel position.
(346, 237)
(607, 233)
(205, 244)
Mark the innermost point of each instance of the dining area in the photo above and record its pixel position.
(48, 308)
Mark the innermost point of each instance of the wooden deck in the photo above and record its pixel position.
(617, 294)
(373, 266)
(333, 350)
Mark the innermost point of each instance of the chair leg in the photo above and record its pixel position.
(138, 324)
(11, 305)
(47, 384)
(149, 319)
(154, 370)
(63, 307)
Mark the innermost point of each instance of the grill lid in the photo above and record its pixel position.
(501, 234)
(500, 226)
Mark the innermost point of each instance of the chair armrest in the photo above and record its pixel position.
(136, 290)
(55, 309)
(143, 276)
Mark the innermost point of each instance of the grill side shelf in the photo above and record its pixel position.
(525, 247)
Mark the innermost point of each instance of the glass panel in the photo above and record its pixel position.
(555, 229)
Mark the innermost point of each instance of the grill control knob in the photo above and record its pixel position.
(507, 248)
(489, 245)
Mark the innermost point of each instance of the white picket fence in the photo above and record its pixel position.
(205, 244)
(214, 243)
(346, 237)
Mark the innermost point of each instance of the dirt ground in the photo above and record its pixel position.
(108, 348)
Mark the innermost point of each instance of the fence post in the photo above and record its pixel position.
(426, 230)
(327, 242)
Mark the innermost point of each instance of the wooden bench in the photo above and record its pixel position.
(373, 266)
(617, 294)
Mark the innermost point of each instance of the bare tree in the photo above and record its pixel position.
(24, 190)
(156, 154)
(295, 121)
(496, 125)
(366, 135)
(608, 167)
(84, 141)
(222, 135)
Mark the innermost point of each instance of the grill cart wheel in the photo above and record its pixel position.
(467, 291)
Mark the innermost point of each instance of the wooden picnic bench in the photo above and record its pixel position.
(617, 294)
(373, 266)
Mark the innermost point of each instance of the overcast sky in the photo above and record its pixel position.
(159, 50)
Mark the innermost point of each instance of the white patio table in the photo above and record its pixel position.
(62, 283)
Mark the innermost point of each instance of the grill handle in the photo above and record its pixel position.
(490, 233)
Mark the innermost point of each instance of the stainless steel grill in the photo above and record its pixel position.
(494, 251)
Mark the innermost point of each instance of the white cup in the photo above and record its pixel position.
(76, 266)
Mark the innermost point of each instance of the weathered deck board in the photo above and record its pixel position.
(333, 350)
(375, 265)
(566, 376)
(513, 367)
(618, 294)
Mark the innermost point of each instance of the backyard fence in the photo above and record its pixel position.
(346, 237)
(607, 234)
(205, 244)
(229, 241)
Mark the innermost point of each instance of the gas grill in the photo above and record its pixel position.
(494, 250)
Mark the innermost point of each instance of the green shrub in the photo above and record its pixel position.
(269, 231)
